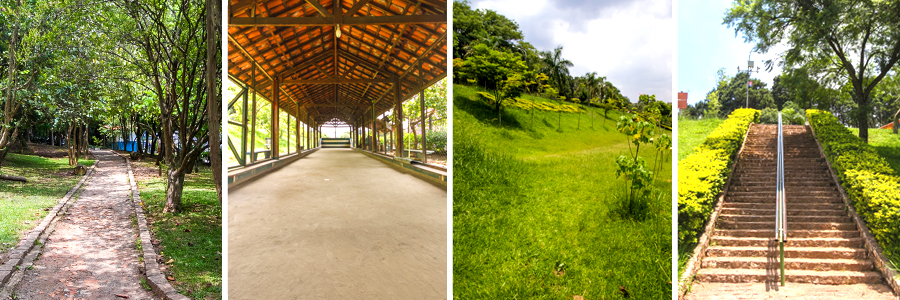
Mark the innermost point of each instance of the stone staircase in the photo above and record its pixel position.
(823, 244)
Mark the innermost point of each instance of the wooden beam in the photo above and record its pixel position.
(308, 62)
(338, 81)
(352, 11)
(336, 105)
(325, 21)
(320, 9)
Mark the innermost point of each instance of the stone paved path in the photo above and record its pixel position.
(798, 291)
(91, 253)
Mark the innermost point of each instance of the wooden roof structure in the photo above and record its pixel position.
(291, 50)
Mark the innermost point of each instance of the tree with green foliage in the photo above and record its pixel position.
(557, 68)
(509, 89)
(435, 106)
(472, 27)
(171, 41)
(488, 67)
(857, 40)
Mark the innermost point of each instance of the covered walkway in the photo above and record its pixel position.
(337, 224)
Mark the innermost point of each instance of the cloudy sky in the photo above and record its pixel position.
(628, 41)
(705, 45)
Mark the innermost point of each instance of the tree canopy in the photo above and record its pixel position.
(855, 41)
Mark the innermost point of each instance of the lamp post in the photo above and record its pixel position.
(749, 70)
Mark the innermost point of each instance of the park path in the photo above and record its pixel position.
(91, 254)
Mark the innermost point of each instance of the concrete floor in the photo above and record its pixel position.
(337, 225)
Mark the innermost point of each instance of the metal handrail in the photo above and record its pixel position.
(780, 208)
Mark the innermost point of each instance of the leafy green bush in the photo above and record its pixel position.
(437, 141)
(702, 175)
(872, 185)
(877, 200)
(769, 116)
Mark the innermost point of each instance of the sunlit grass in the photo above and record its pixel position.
(533, 213)
(886, 143)
(692, 133)
(24, 204)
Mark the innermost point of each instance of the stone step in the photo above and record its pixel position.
(788, 193)
(790, 219)
(788, 201)
(810, 206)
(790, 264)
(771, 160)
(791, 234)
(790, 212)
(790, 225)
(791, 242)
(794, 252)
(811, 189)
(787, 185)
(796, 276)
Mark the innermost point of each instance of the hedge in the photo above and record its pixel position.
(872, 185)
(702, 175)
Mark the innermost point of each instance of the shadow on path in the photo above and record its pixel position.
(91, 253)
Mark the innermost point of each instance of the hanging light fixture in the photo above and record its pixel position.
(337, 30)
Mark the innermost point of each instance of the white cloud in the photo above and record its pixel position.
(629, 42)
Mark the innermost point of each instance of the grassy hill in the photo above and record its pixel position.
(535, 208)
(692, 133)
(886, 143)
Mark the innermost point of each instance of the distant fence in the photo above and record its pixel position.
(130, 146)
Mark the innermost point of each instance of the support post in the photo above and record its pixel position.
(253, 120)
(307, 132)
(374, 130)
(422, 123)
(276, 122)
(398, 113)
(244, 129)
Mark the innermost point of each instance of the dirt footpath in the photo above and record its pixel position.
(91, 254)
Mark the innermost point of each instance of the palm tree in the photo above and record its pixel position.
(557, 67)
(591, 82)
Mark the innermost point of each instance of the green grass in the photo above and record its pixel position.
(692, 133)
(886, 143)
(192, 238)
(530, 201)
(24, 204)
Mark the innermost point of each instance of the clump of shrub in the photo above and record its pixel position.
(545, 106)
(702, 175)
(872, 185)
(634, 202)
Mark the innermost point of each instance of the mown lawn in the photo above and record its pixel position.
(534, 209)
(886, 143)
(190, 241)
(692, 133)
(24, 204)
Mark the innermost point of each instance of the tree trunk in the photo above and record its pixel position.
(124, 134)
(13, 178)
(153, 145)
(173, 191)
(69, 144)
(862, 99)
(895, 120)
(213, 94)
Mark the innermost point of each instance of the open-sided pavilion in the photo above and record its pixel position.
(336, 223)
